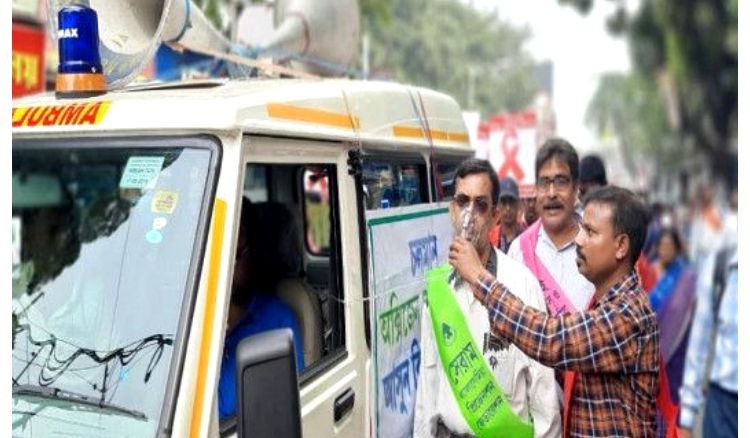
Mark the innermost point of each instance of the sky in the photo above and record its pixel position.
(580, 48)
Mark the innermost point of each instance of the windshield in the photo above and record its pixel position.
(103, 241)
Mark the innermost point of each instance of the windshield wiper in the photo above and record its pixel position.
(61, 394)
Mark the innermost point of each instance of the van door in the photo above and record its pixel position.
(321, 279)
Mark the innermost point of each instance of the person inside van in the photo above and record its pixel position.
(260, 261)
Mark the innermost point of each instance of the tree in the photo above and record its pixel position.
(689, 48)
(376, 12)
(692, 46)
(630, 106)
(449, 46)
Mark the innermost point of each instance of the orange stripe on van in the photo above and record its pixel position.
(309, 115)
(412, 132)
(438, 135)
(407, 131)
(220, 212)
(458, 137)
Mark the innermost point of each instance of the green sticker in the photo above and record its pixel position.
(141, 172)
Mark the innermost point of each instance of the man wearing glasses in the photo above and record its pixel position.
(547, 247)
(527, 386)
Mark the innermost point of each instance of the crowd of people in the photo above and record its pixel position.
(629, 318)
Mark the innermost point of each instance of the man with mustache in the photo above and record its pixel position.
(592, 174)
(547, 246)
(613, 347)
(528, 387)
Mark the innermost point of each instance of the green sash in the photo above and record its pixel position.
(474, 387)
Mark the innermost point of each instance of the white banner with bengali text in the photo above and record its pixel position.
(404, 243)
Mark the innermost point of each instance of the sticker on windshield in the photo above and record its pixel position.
(16, 247)
(154, 236)
(164, 202)
(159, 223)
(141, 173)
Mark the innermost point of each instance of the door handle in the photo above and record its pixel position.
(343, 404)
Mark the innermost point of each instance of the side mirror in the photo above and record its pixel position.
(268, 393)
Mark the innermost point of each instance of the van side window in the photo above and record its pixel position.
(287, 268)
(320, 282)
(317, 211)
(266, 252)
(444, 171)
(394, 184)
(256, 186)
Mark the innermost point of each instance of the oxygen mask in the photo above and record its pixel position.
(467, 232)
(467, 222)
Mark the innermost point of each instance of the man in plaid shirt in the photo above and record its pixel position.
(613, 346)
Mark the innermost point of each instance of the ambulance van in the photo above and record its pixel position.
(126, 211)
(130, 264)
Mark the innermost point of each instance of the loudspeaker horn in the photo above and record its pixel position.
(316, 36)
(130, 31)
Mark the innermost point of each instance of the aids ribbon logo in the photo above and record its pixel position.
(510, 147)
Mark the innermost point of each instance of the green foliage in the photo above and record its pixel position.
(376, 12)
(449, 46)
(690, 47)
(630, 106)
(213, 9)
(697, 41)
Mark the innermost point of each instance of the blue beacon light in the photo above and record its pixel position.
(79, 73)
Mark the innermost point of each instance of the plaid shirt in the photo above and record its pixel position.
(613, 346)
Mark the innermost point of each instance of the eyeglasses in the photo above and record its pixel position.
(559, 181)
(481, 205)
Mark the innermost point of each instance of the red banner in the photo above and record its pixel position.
(28, 59)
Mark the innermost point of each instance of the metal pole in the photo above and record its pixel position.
(365, 56)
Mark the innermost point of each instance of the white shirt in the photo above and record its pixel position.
(528, 386)
(723, 366)
(561, 264)
(704, 238)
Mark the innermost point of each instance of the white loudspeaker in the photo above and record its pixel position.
(316, 36)
(324, 34)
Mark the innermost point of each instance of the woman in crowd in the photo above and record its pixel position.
(673, 300)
